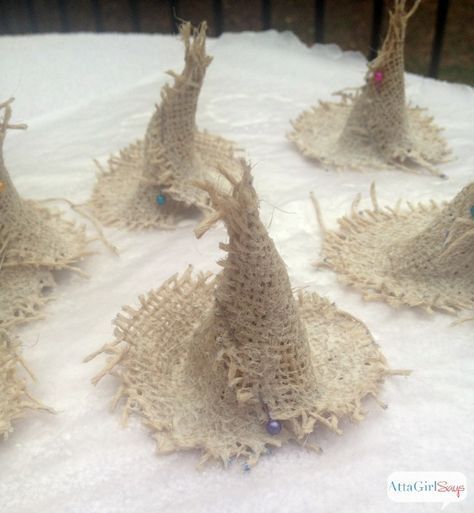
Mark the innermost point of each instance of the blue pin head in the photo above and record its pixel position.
(160, 199)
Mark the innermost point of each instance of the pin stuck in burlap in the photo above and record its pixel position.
(373, 127)
(150, 183)
(34, 242)
(234, 364)
(421, 255)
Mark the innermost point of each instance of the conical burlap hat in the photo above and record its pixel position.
(15, 399)
(33, 241)
(234, 364)
(418, 256)
(150, 183)
(374, 127)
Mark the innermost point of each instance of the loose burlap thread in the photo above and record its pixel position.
(205, 362)
(171, 156)
(33, 242)
(419, 256)
(373, 127)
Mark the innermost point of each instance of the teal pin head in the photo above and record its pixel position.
(160, 199)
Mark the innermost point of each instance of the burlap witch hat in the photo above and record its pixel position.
(373, 127)
(235, 364)
(33, 242)
(418, 256)
(15, 399)
(150, 184)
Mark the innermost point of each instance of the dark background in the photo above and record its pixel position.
(440, 36)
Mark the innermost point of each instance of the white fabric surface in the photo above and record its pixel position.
(84, 96)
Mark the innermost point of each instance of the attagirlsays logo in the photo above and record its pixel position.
(442, 487)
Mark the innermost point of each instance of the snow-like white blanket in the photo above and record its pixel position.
(84, 96)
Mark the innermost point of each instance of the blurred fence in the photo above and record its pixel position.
(33, 16)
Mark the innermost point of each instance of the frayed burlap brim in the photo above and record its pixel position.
(165, 378)
(15, 399)
(39, 242)
(40, 237)
(363, 250)
(23, 294)
(317, 133)
(124, 198)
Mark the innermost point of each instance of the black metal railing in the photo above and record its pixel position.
(26, 11)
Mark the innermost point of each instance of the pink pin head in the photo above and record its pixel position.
(378, 77)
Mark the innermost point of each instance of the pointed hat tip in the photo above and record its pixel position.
(194, 39)
(240, 187)
(187, 30)
(5, 119)
(400, 8)
(241, 198)
(7, 102)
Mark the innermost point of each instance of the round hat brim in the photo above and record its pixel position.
(360, 254)
(42, 237)
(22, 294)
(150, 358)
(122, 197)
(316, 133)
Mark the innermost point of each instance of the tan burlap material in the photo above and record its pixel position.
(150, 183)
(15, 399)
(418, 256)
(33, 241)
(373, 127)
(206, 361)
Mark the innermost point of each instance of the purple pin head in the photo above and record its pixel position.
(273, 427)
